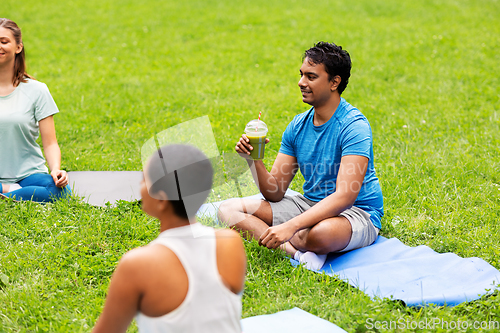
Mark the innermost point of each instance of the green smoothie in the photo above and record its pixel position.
(259, 145)
(256, 131)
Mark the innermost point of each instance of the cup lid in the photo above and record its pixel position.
(256, 126)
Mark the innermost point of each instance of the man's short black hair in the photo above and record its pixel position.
(336, 61)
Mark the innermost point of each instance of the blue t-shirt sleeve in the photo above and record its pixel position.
(287, 146)
(45, 105)
(356, 138)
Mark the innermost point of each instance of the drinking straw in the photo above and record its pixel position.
(258, 120)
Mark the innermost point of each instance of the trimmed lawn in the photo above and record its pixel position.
(424, 73)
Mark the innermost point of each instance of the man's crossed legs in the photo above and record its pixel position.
(352, 229)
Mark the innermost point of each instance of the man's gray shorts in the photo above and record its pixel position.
(363, 234)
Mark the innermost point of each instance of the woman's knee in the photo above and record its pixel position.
(46, 180)
(40, 187)
(38, 179)
(54, 192)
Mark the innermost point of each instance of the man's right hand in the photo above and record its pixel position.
(274, 184)
(243, 147)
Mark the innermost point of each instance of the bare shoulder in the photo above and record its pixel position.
(229, 243)
(137, 255)
(231, 259)
(227, 234)
(132, 262)
(142, 260)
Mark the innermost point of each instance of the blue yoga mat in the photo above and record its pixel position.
(290, 321)
(415, 275)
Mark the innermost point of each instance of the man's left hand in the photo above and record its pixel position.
(273, 237)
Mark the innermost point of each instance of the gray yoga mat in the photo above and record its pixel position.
(101, 187)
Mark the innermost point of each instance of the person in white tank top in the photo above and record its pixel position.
(190, 279)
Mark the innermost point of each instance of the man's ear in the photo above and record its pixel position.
(335, 83)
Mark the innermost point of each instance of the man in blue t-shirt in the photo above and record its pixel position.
(332, 146)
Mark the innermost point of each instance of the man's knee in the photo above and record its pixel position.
(234, 211)
(315, 241)
(247, 206)
(328, 236)
(226, 209)
(231, 211)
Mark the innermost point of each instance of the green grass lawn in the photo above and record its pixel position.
(425, 73)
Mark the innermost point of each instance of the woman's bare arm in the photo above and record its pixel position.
(52, 151)
(123, 297)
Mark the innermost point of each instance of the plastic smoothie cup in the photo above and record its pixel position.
(256, 131)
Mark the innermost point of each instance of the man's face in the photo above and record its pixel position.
(314, 83)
